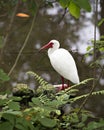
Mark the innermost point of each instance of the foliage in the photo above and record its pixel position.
(41, 81)
(99, 49)
(74, 6)
(25, 109)
(3, 76)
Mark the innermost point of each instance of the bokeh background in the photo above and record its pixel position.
(73, 34)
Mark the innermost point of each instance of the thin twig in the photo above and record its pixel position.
(9, 28)
(94, 58)
(25, 42)
(62, 17)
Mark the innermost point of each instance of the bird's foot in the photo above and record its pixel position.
(64, 86)
(61, 87)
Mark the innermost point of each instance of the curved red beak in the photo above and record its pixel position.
(49, 45)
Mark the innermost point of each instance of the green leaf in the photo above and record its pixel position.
(14, 98)
(14, 106)
(89, 48)
(20, 127)
(74, 118)
(47, 122)
(19, 113)
(36, 101)
(5, 126)
(22, 124)
(64, 3)
(54, 103)
(3, 76)
(94, 125)
(74, 9)
(101, 22)
(3, 102)
(102, 37)
(9, 117)
(101, 49)
(83, 4)
(84, 117)
(80, 125)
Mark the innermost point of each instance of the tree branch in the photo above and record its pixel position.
(25, 42)
(62, 17)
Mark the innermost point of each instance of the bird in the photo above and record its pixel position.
(62, 62)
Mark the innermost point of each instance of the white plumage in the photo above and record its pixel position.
(62, 61)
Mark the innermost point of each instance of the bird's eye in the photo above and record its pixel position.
(51, 44)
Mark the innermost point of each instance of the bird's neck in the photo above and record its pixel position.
(51, 51)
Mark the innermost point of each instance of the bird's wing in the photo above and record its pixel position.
(63, 62)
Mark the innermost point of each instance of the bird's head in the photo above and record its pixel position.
(53, 44)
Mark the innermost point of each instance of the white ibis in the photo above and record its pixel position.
(62, 61)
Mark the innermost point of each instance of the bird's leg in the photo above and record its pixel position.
(62, 82)
(68, 85)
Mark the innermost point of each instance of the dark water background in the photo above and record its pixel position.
(74, 35)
